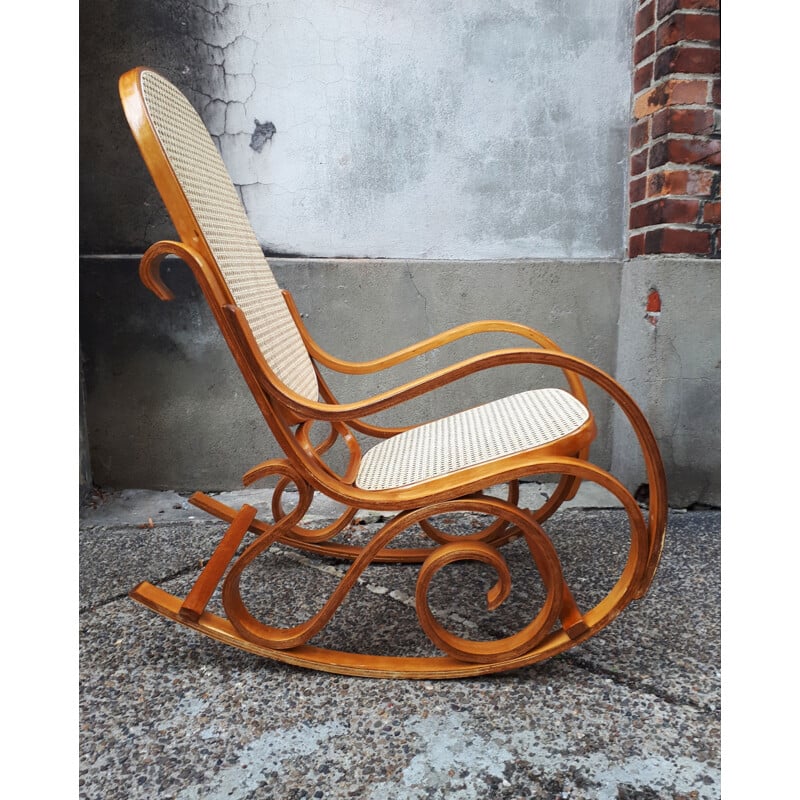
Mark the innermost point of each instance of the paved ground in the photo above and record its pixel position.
(632, 714)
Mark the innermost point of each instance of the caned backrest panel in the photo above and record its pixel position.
(223, 223)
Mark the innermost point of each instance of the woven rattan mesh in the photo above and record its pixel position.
(224, 224)
(502, 428)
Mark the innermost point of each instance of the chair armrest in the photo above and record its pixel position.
(345, 412)
(426, 345)
(150, 271)
(414, 350)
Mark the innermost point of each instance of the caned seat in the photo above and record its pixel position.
(506, 427)
(414, 474)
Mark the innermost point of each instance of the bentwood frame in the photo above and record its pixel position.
(281, 365)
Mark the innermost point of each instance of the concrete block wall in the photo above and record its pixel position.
(167, 407)
(669, 361)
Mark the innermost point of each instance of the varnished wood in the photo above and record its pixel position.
(426, 346)
(558, 625)
(197, 599)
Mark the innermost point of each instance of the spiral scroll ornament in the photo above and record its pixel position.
(543, 554)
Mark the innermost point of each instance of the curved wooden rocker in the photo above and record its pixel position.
(416, 473)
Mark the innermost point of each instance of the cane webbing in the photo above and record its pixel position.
(224, 224)
(502, 428)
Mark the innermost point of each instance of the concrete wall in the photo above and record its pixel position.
(671, 365)
(167, 407)
(85, 478)
(475, 154)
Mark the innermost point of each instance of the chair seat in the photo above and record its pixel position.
(479, 435)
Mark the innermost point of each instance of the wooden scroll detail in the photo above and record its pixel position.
(490, 533)
(543, 554)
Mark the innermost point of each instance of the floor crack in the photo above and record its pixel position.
(621, 680)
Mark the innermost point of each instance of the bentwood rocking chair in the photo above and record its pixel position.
(414, 475)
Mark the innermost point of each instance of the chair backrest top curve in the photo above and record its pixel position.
(221, 217)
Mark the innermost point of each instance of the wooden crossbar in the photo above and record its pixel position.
(197, 599)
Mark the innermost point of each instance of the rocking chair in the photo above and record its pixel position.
(414, 475)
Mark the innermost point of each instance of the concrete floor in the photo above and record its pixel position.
(632, 714)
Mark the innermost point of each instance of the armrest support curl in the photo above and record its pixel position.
(150, 270)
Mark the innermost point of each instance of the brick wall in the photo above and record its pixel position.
(674, 188)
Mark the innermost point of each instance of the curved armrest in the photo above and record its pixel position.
(426, 345)
(344, 412)
(414, 350)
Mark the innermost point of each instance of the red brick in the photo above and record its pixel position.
(666, 182)
(685, 151)
(687, 93)
(684, 59)
(695, 151)
(677, 240)
(668, 6)
(660, 125)
(636, 245)
(645, 17)
(712, 213)
(668, 209)
(665, 7)
(700, 182)
(682, 27)
(694, 182)
(682, 120)
(659, 154)
(643, 77)
(639, 163)
(644, 47)
(640, 134)
(716, 92)
(636, 190)
(670, 93)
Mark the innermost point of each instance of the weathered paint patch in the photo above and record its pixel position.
(261, 135)
(464, 763)
(263, 755)
(653, 307)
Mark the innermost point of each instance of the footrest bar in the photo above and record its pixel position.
(197, 599)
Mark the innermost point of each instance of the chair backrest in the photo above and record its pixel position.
(222, 224)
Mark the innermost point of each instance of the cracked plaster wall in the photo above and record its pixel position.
(405, 129)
